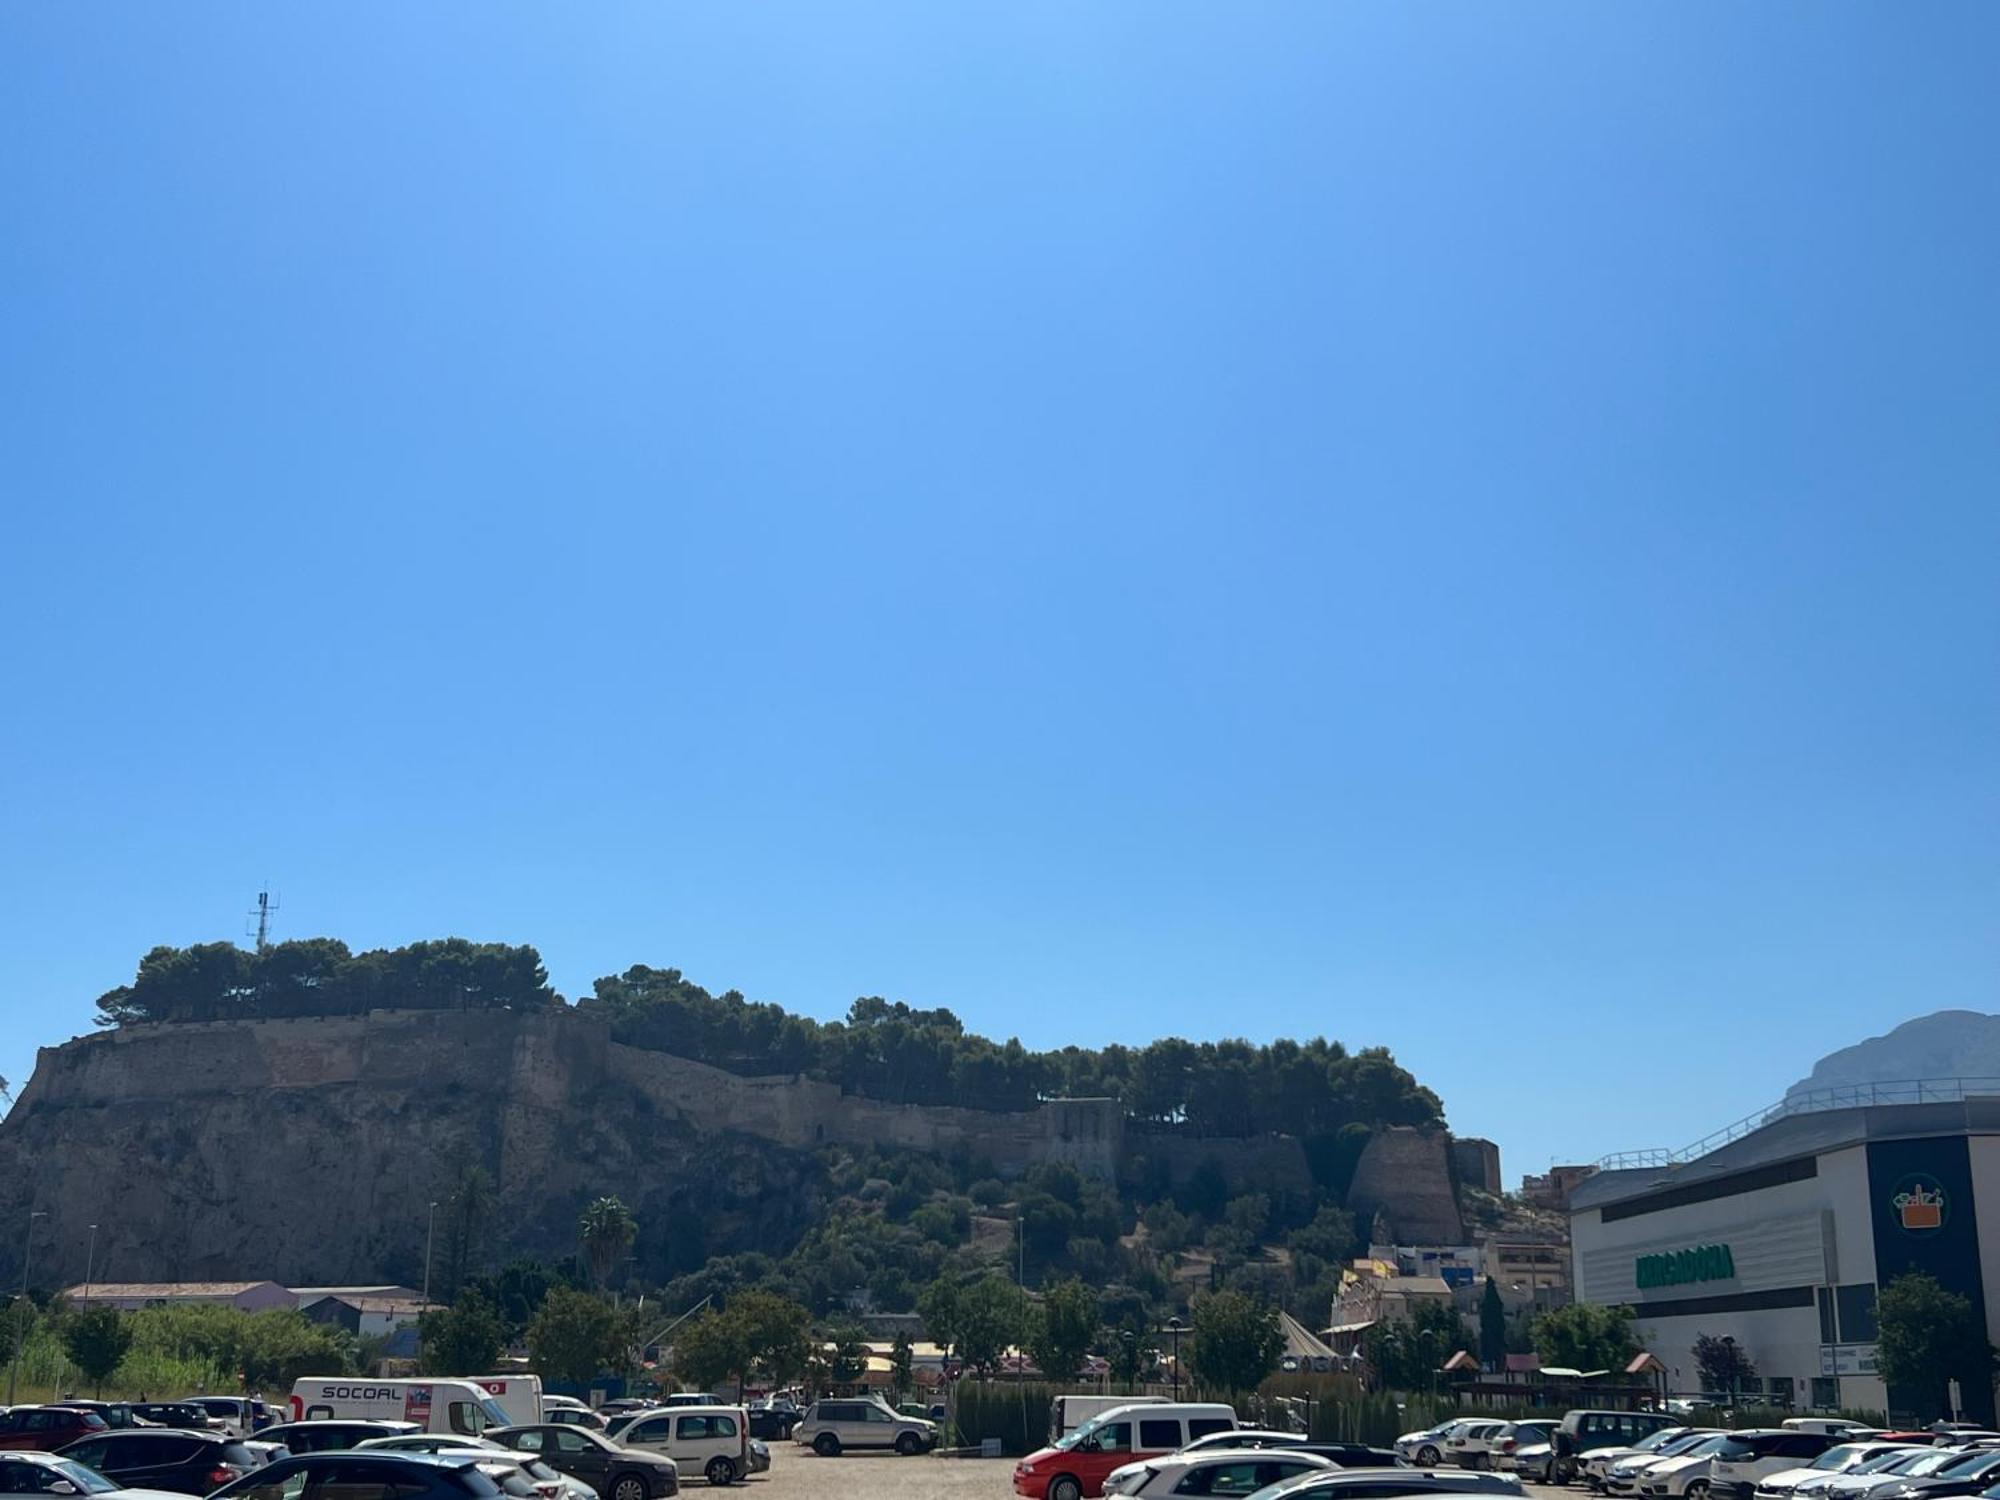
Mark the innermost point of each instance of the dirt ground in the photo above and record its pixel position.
(796, 1472)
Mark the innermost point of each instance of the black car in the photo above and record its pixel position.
(615, 1473)
(1353, 1455)
(772, 1423)
(369, 1476)
(163, 1458)
(1973, 1474)
(182, 1414)
(1373, 1484)
(327, 1436)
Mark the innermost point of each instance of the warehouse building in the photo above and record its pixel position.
(1781, 1239)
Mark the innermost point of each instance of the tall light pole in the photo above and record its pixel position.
(89, 1265)
(27, 1250)
(430, 1237)
(1174, 1326)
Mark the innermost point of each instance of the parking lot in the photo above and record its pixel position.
(795, 1472)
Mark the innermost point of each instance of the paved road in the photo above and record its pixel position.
(798, 1475)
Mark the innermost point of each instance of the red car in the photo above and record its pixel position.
(1076, 1467)
(46, 1428)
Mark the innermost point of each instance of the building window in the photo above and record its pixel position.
(1857, 1312)
(1825, 1393)
(1827, 1333)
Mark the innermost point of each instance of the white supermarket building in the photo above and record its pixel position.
(1781, 1236)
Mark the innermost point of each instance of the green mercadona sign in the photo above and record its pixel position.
(1679, 1267)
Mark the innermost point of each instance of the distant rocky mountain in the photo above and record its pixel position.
(1947, 1044)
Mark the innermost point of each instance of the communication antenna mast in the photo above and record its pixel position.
(265, 906)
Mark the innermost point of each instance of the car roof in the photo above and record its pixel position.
(194, 1432)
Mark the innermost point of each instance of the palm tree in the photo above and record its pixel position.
(608, 1229)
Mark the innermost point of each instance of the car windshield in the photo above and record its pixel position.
(1894, 1461)
(1838, 1458)
(1929, 1463)
(1967, 1463)
(1707, 1445)
(88, 1480)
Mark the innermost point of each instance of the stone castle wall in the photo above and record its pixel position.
(310, 1147)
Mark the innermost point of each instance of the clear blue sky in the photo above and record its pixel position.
(1467, 527)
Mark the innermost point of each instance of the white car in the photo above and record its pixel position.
(1595, 1465)
(1916, 1463)
(1685, 1475)
(552, 1485)
(1624, 1476)
(1243, 1437)
(39, 1473)
(1813, 1477)
(1425, 1449)
(1226, 1472)
(1470, 1446)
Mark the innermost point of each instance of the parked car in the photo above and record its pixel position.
(115, 1413)
(615, 1473)
(772, 1425)
(240, 1416)
(406, 1476)
(1470, 1444)
(1533, 1463)
(1971, 1473)
(1593, 1467)
(165, 1458)
(1227, 1471)
(1685, 1476)
(1076, 1466)
(553, 1484)
(1755, 1453)
(1625, 1476)
(332, 1436)
(1380, 1484)
(576, 1416)
(182, 1414)
(1518, 1435)
(1585, 1431)
(1914, 1462)
(829, 1427)
(1425, 1449)
(1244, 1437)
(760, 1456)
(1830, 1465)
(50, 1474)
(713, 1439)
(44, 1429)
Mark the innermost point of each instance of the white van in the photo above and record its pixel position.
(459, 1406)
(1067, 1413)
(713, 1439)
(520, 1396)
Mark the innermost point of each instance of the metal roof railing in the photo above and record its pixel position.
(1811, 1101)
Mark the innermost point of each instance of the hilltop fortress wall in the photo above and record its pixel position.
(312, 1146)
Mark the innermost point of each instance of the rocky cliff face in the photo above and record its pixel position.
(1947, 1044)
(310, 1150)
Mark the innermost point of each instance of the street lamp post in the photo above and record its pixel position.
(27, 1252)
(430, 1238)
(1174, 1326)
(89, 1265)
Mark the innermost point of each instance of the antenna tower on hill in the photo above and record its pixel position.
(265, 906)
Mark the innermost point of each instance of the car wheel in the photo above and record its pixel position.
(628, 1487)
(720, 1471)
(826, 1445)
(1428, 1457)
(908, 1443)
(1697, 1489)
(1065, 1487)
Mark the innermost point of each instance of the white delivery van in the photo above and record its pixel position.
(520, 1396)
(1067, 1413)
(459, 1406)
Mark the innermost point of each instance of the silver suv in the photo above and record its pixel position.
(831, 1425)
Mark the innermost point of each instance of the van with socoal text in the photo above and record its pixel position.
(460, 1406)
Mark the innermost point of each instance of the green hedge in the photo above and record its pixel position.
(1016, 1412)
